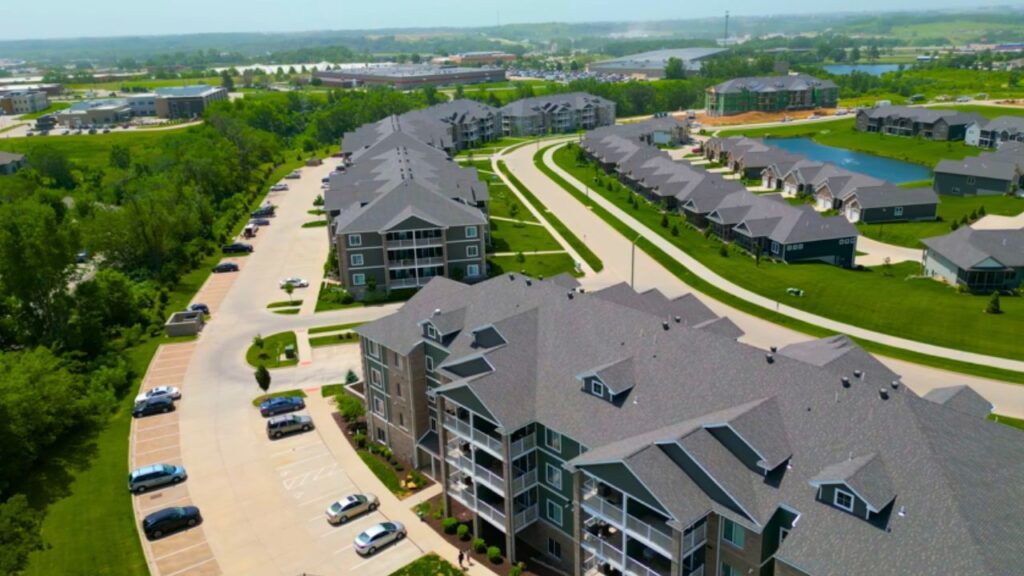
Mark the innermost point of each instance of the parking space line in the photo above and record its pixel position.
(349, 547)
(137, 454)
(374, 557)
(307, 459)
(197, 564)
(157, 437)
(162, 504)
(158, 426)
(303, 447)
(179, 551)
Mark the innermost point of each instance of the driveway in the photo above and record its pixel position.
(615, 251)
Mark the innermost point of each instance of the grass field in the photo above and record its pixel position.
(547, 265)
(986, 111)
(273, 348)
(515, 237)
(502, 199)
(840, 133)
(116, 85)
(429, 565)
(1007, 420)
(884, 299)
(90, 150)
(951, 209)
(53, 107)
(286, 303)
(491, 147)
(333, 340)
(334, 328)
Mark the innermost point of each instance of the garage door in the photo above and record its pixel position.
(853, 214)
(824, 204)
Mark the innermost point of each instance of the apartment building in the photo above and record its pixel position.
(927, 123)
(23, 101)
(559, 113)
(451, 126)
(187, 101)
(622, 433)
(770, 94)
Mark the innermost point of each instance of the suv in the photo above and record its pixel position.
(280, 425)
(157, 405)
(168, 520)
(280, 405)
(236, 248)
(148, 477)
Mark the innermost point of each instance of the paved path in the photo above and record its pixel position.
(615, 251)
(876, 252)
(994, 222)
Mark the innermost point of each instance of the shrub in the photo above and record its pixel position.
(449, 525)
(675, 230)
(494, 555)
(517, 570)
(664, 220)
(438, 513)
(462, 532)
(351, 378)
(479, 546)
(349, 407)
(360, 439)
(723, 250)
(424, 508)
(993, 305)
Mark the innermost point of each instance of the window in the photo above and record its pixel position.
(431, 332)
(374, 349)
(401, 421)
(553, 440)
(733, 533)
(375, 378)
(398, 389)
(397, 360)
(597, 388)
(775, 247)
(356, 259)
(355, 240)
(430, 364)
(553, 476)
(472, 251)
(843, 500)
(729, 570)
(554, 548)
(359, 279)
(382, 437)
(553, 512)
(471, 232)
(433, 424)
(971, 180)
(794, 247)
(378, 406)
(473, 270)
(897, 211)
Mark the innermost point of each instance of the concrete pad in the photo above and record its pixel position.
(157, 431)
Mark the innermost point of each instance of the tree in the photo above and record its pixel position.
(674, 69)
(664, 220)
(993, 305)
(120, 156)
(854, 54)
(19, 533)
(52, 164)
(460, 92)
(263, 378)
(416, 58)
(226, 81)
(288, 289)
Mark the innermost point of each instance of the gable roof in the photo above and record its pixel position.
(967, 247)
(889, 195)
(866, 475)
(962, 398)
(984, 166)
(765, 84)
(406, 200)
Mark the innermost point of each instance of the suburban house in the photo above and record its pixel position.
(980, 260)
(831, 189)
(991, 133)
(890, 203)
(592, 432)
(770, 94)
(927, 123)
(989, 174)
(558, 113)
(10, 162)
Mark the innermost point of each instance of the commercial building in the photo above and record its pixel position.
(927, 123)
(651, 65)
(409, 77)
(142, 104)
(94, 113)
(23, 101)
(770, 94)
(612, 432)
(187, 101)
(488, 58)
(558, 113)
(981, 260)
(11, 163)
(49, 89)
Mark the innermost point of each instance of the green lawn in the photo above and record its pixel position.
(273, 348)
(429, 565)
(884, 303)
(333, 340)
(286, 311)
(491, 147)
(315, 224)
(1008, 420)
(90, 150)
(986, 111)
(334, 328)
(951, 209)
(585, 252)
(841, 134)
(116, 85)
(516, 237)
(502, 199)
(289, 393)
(547, 265)
(382, 471)
(53, 107)
(330, 390)
(285, 304)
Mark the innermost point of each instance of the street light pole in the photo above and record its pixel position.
(632, 262)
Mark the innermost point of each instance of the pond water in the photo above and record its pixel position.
(873, 69)
(896, 171)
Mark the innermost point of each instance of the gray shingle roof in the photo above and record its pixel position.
(923, 115)
(889, 195)
(967, 247)
(10, 158)
(866, 475)
(984, 166)
(1010, 124)
(553, 103)
(407, 200)
(962, 398)
(772, 84)
(841, 356)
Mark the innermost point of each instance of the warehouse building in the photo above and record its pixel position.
(187, 101)
(409, 77)
(651, 65)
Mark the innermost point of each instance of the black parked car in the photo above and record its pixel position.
(154, 405)
(262, 212)
(236, 248)
(260, 221)
(163, 522)
(225, 267)
(280, 405)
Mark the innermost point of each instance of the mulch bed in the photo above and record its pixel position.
(348, 431)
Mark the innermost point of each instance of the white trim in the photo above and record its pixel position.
(547, 513)
(477, 259)
(473, 247)
(472, 270)
(735, 525)
(428, 362)
(549, 431)
(352, 260)
(597, 387)
(835, 499)
(359, 279)
(548, 468)
(376, 378)
(354, 268)
(354, 240)
(473, 240)
(475, 229)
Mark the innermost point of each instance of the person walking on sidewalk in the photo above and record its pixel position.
(461, 557)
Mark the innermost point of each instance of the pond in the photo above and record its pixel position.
(873, 69)
(896, 171)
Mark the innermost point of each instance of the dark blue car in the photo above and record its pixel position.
(163, 522)
(281, 405)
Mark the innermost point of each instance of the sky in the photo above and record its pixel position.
(75, 18)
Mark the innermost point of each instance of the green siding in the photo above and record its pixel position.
(618, 475)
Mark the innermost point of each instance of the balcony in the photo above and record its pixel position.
(605, 551)
(698, 537)
(415, 242)
(467, 431)
(523, 481)
(489, 512)
(407, 282)
(647, 533)
(606, 509)
(479, 473)
(458, 490)
(636, 568)
(523, 445)
(525, 517)
(416, 262)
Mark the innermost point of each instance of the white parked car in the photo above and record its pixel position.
(296, 282)
(279, 187)
(376, 537)
(169, 391)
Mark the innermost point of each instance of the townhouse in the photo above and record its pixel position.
(621, 433)
(927, 123)
(980, 260)
(992, 133)
(890, 203)
(990, 173)
(556, 114)
(770, 94)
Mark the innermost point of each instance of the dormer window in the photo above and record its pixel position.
(431, 332)
(843, 499)
(597, 388)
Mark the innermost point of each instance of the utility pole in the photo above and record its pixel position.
(725, 39)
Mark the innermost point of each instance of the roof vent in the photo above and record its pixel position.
(512, 277)
(774, 349)
(895, 384)
(529, 282)
(846, 382)
(770, 358)
(858, 374)
(678, 319)
(664, 325)
(570, 295)
(902, 512)
(437, 311)
(883, 393)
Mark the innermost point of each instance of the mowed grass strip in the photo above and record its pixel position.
(429, 565)
(334, 328)
(285, 394)
(273, 347)
(546, 265)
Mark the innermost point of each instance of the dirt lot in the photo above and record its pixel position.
(761, 117)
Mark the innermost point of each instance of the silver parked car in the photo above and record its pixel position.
(351, 506)
(280, 425)
(378, 536)
(154, 476)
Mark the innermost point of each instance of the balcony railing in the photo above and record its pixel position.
(478, 472)
(603, 549)
(636, 568)
(485, 510)
(699, 571)
(466, 430)
(462, 494)
(416, 263)
(647, 532)
(523, 445)
(696, 538)
(604, 508)
(525, 517)
(407, 282)
(524, 481)
(415, 242)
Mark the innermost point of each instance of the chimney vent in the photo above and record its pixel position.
(770, 358)
(664, 325)
(846, 382)
(529, 282)
(678, 319)
(883, 393)
(570, 295)
(858, 374)
(895, 384)
(437, 311)
(512, 277)
(774, 349)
